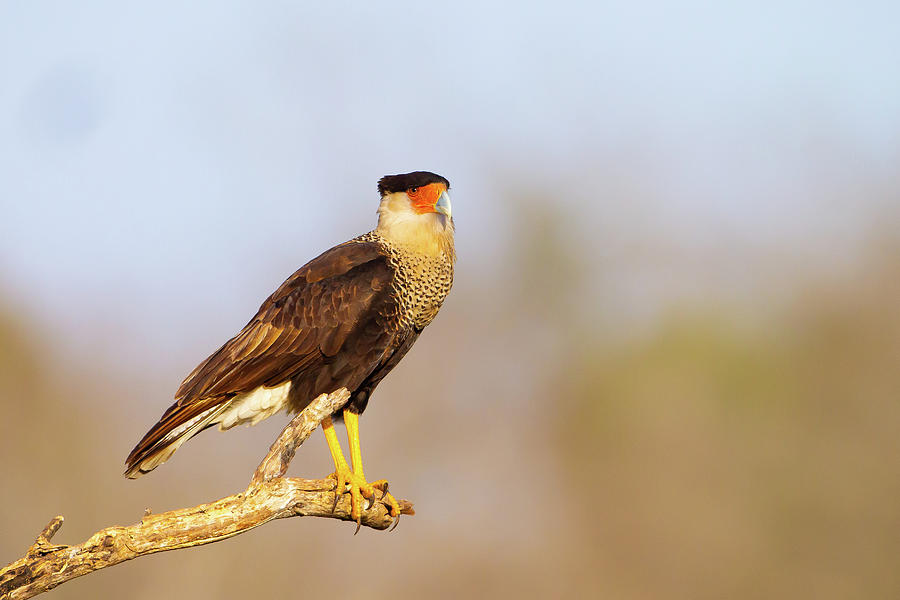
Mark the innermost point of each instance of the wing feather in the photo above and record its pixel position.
(296, 334)
(312, 313)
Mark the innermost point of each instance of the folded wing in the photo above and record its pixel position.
(328, 326)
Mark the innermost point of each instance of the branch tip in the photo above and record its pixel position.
(51, 529)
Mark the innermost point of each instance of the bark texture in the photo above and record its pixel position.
(269, 497)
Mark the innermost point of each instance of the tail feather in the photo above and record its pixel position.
(178, 425)
(186, 418)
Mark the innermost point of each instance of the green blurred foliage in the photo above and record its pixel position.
(721, 460)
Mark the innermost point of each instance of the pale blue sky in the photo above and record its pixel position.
(158, 156)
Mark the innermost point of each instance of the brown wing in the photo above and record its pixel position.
(334, 313)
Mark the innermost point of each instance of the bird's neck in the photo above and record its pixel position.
(428, 235)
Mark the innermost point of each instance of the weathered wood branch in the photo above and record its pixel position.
(269, 496)
(282, 451)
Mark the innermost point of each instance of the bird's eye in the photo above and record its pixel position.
(412, 190)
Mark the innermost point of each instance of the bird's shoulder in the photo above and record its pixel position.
(361, 257)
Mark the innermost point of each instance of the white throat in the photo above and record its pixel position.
(399, 223)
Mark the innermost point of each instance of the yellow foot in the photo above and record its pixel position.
(388, 499)
(359, 489)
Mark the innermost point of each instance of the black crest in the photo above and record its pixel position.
(400, 183)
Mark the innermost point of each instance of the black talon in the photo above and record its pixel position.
(396, 522)
(337, 496)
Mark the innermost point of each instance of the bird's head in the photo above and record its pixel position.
(415, 211)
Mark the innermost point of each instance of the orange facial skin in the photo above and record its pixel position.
(424, 198)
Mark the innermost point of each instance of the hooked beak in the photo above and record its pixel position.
(443, 204)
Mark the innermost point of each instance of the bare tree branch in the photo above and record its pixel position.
(281, 453)
(269, 497)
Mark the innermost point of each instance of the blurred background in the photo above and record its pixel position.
(669, 364)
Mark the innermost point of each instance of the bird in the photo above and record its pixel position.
(343, 320)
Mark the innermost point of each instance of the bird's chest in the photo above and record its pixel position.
(421, 284)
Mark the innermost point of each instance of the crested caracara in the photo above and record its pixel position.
(343, 320)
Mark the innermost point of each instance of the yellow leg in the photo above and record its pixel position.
(351, 419)
(343, 476)
(337, 455)
(359, 488)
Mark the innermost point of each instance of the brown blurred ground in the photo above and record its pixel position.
(717, 449)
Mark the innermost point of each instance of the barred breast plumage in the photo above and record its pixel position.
(421, 282)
